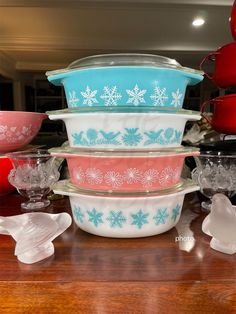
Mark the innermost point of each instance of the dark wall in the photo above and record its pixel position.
(6, 96)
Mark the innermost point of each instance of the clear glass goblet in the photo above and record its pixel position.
(215, 173)
(33, 174)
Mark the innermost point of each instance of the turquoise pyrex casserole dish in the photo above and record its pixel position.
(126, 79)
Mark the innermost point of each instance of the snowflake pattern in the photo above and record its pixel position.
(136, 95)
(132, 175)
(176, 212)
(159, 96)
(73, 99)
(94, 176)
(78, 174)
(120, 219)
(95, 217)
(78, 214)
(89, 96)
(139, 219)
(177, 173)
(161, 216)
(177, 98)
(14, 134)
(110, 96)
(149, 177)
(133, 95)
(166, 176)
(116, 219)
(114, 179)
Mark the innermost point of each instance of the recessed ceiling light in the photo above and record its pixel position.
(198, 22)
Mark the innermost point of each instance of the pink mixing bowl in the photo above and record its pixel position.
(125, 171)
(18, 128)
(5, 168)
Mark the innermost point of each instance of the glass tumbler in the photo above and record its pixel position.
(33, 174)
(215, 173)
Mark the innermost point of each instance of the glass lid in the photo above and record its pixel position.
(106, 153)
(66, 188)
(123, 59)
(123, 109)
(129, 59)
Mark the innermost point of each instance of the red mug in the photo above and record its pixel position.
(224, 114)
(225, 65)
(233, 20)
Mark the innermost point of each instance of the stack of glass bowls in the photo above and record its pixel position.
(125, 125)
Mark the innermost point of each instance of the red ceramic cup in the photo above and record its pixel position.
(224, 74)
(224, 114)
(5, 168)
(233, 20)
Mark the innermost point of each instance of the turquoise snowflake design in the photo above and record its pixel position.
(95, 217)
(176, 212)
(116, 219)
(78, 214)
(139, 219)
(161, 216)
(132, 137)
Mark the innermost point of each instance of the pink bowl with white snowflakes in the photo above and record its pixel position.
(18, 128)
(125, 171)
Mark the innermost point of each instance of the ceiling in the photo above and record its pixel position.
(39, 35)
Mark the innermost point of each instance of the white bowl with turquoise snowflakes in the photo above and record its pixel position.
(119, 216)
(125, 79)
(124, 128)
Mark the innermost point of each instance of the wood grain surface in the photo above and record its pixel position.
(90, 274)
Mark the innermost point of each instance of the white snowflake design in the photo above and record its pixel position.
(159, 97)
(89, 96)
(166, 176)
(79, 174)
(110, 96)
(73, 99)
(94, 176)
(177, 173)
(132, 175)
(13, 135)
(114, 179)
(177, 98)
(149, 177)
(136, 95)
(3, 128)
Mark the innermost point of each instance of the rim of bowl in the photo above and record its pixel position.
(68, 188)
(31, 153)
(95, 152)
(217, 154)
(23, 112)
(124, 109)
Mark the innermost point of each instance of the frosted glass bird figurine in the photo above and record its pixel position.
(220, 224)
(34, 233)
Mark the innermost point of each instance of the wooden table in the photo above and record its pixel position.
(90, 274)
